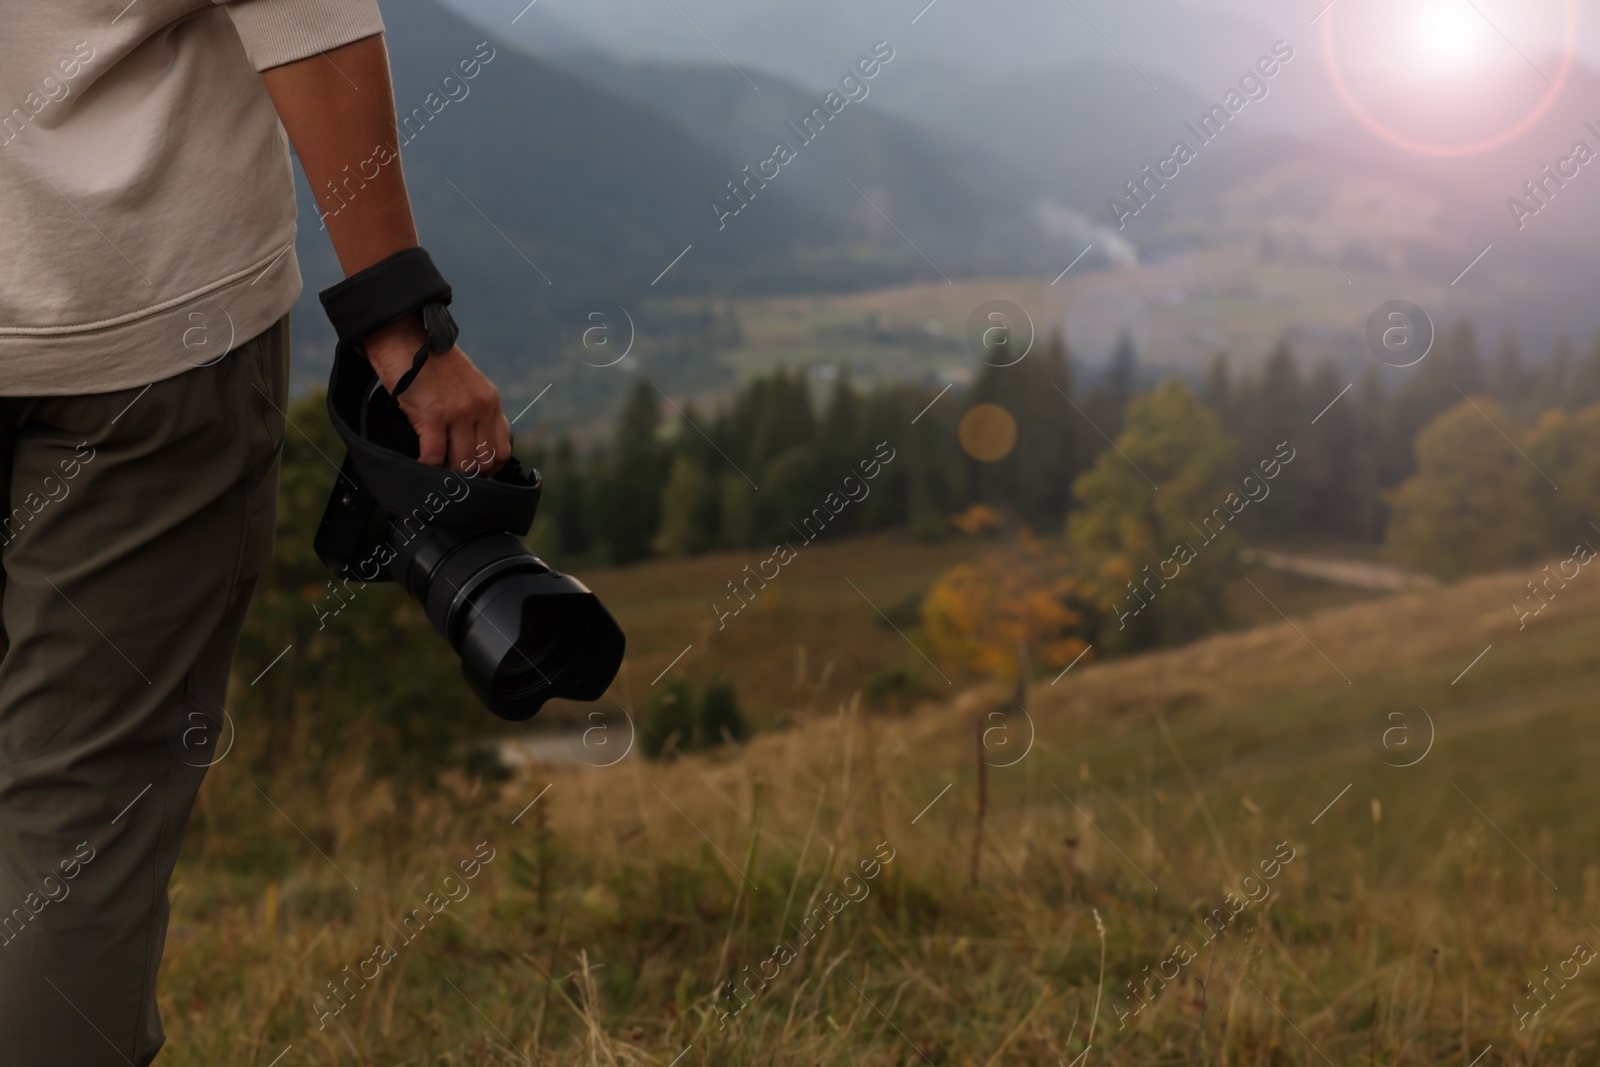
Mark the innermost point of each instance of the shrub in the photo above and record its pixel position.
(678, 719)
(894, 687)
(668, 721)
(720, 718)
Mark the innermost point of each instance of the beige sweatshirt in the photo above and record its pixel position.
(147, 214)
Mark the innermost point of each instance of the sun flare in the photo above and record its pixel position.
(1449, 36)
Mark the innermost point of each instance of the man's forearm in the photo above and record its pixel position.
(338, 108)
(340, 131)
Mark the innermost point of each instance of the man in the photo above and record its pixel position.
(147, 226)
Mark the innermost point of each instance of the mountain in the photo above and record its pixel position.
(1416, 220)
(807, 43)
(1054, 124)
(544, 185)
(867, 173)
(538, 192)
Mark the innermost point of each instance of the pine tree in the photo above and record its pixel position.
(693, 444)
(1451, 371)
(736, 517)
(1218, 394)
(1462, 361)
(562, 499)
(783, 416)
(1553, 385)
(1372, 417)
(1510, 382)
(839, 446)
(1035, 479)
(1336, 480)
(682, 509)
(1063, 454)
(1115, 389)
(633, 496)
(925, 448)
(792, 499)
(1000, 383)
(1279, 411)
(840, 439)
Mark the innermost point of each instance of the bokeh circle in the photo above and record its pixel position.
(987, 433)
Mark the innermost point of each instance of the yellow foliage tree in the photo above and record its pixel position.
(977, 520)
(980, 615)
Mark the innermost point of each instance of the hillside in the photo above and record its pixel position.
(1402, 912)
(816, 637)
(538, 193)
(969, 210)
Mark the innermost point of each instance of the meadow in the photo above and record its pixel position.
(918, 332)
(816, 635)
(1044, 868)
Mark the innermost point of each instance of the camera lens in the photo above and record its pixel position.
(525, 633)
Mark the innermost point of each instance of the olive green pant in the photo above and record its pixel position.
(138, 521)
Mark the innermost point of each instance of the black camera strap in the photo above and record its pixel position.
(380, 477)
(385, 293)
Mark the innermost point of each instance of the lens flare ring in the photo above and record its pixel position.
(1469, 148)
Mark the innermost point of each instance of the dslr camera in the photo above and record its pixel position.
(524, 632)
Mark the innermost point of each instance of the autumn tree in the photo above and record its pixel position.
(1473, 504)
(1126, 528)
(1566, 447)
(981, 615)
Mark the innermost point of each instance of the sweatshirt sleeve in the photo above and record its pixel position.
(276, 32)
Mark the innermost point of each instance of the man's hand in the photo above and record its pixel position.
(336, 108)
(452, 406)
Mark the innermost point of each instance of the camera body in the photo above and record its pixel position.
(525, 632)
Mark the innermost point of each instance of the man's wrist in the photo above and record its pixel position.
(391, 349)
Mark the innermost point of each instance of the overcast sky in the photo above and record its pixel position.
(1189, 38)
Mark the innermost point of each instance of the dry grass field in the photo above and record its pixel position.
(815, 636)
(807, 640)
(1125, 828)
